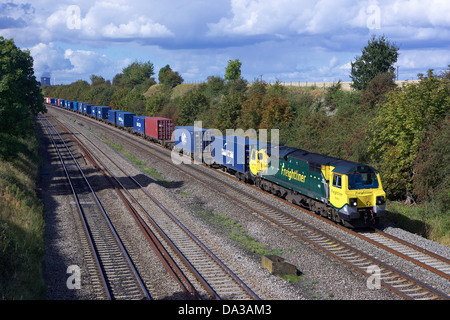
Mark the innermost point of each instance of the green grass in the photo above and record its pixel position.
(424, 219)
(234, 231)
(152, 172)
(21, 222)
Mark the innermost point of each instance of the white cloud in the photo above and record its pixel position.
(273, 38)
(103, 21)
(69, 65)
(417, 19)
(258, 17)
(142, 27)
(49, 58)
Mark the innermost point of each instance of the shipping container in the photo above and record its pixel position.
(190, 139)
(87, 109)
(139, 124)
(159, 128)
(93, 111)
(53, 100)
(124, 119)
(112, 115)
(102, 112)
(69, 104)
(80, 106)
(233, 152)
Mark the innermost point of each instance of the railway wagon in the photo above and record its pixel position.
(102, 112)
(139, 124)
(159, 128)
(124, 119)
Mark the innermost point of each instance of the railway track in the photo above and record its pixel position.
(209, 271)
(400, 283)
(119, 278)
(421, 257)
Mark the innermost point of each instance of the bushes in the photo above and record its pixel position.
(400, 127)
(21, 223)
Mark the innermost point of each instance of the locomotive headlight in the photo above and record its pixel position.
(353, 202)
(380, 200)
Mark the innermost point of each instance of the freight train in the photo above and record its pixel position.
(346, 192)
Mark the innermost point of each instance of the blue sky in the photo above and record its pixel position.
(286, 40)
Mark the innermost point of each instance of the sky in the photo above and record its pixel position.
(275, 40)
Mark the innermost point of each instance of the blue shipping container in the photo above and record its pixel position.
(69, 104)
(192, 139)
(80, 106)
(87, 108)
(139, 124)
(94, 111)
(124, 119)
(112, 115)
(233, 152)
(102, 112)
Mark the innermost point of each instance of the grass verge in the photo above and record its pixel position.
(234, 231)
(21, 221)
(152, 172)
(423, 219)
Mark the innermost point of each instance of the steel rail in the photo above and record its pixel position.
(170, 265)
(80, 210)
(109, 223)
(181, 225)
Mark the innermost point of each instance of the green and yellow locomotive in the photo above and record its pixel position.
(346, 192)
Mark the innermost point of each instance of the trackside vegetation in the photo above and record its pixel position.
(21, 220)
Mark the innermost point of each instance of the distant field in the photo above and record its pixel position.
(346, 85)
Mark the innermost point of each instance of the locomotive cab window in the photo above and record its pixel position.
(337, 181)
(367, 180)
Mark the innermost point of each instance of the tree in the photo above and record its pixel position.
(379, 56)
(431, 181)
(20, 95)
(276, 112)
(233, 70)
(97, 80)
(169, 78)
(190, 105)
(251, 107)
(376, 89)
(229, 111)
(136, 73)
(400, 127)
